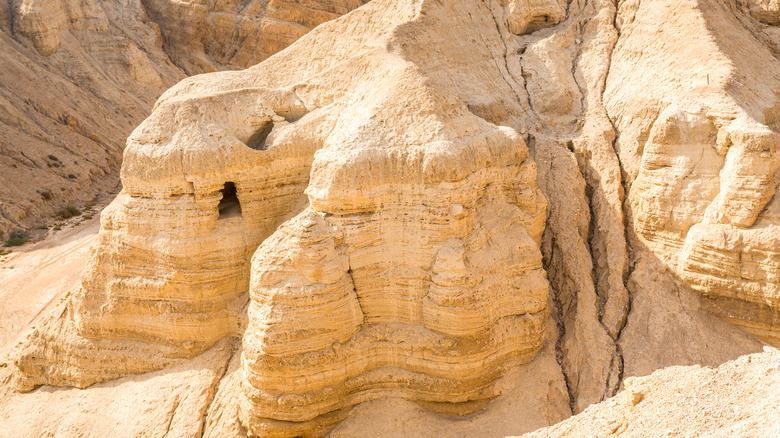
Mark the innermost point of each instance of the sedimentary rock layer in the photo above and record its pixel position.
(420, 244)
(703, 164)
(388, 174)
(429, 296)
(171, 267)
(235, 34)
(76, 76)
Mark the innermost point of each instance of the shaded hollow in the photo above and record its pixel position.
(539, 23)
(229, 205)
(257, 140)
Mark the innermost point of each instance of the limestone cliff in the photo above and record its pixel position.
(395, 206)
(78, 75)
(702, 162)
(446, 297)
(205, 36)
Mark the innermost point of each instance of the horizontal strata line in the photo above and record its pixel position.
(354, 359)
(374, 384)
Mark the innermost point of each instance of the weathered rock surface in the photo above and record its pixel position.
(446, 297)
(738, 398)
(702, 162)
(391, 210)
(202, 36)
(76, 76)
(171, 403)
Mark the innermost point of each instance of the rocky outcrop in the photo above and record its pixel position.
(204, 37)
(703, 163)
(79, 75)
(175, 247)
(397, 205)
(446, 297)
(527, 16)
(344, 312)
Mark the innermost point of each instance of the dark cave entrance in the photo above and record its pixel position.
(229, 205)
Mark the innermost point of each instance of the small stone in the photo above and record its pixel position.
(457, 210)
(634, 391)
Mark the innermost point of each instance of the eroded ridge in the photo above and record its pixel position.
(169, 275)
(426, 289)
(703, 163)
(418, 253)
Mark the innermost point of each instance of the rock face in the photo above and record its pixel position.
(703, 163)
(78, 75)
(75, 78)
(203, 36)
(396, 205)
(358, 299)
(445, 298)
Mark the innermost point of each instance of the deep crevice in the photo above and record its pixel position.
(559, 354)
(235, 348)
(538, 23)
(506, 52)
(612, 386)
(354, 289)
(11, 17)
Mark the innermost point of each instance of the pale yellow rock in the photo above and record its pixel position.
(702, 193)
(738, 398)
(446, 299)
(526, 16)
(635, 390)
(531, 396)
(418, 185)
(78, 75)
(165, 403)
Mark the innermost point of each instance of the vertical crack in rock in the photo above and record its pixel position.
(557, 308)
(627, 230)
(684, 155)
(507, 70)
(214, 388)
(415, 193)
(354, 289)
(590, 33)
(171, 415)
(617, 366)
(11, 16)
(583, 88)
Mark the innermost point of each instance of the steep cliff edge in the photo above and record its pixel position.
(421, 198)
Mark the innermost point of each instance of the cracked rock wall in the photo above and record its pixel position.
(703, 162)
(419, 184)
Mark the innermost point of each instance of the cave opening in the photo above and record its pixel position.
(229, 206)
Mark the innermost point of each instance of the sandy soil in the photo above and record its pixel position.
(35, 276)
